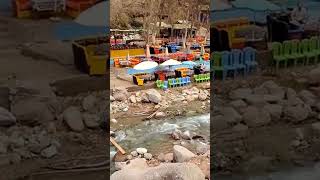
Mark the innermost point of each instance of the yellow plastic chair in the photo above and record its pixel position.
(140, 82)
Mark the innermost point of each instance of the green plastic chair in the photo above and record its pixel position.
(203, 77)
(178, 81)
(296, 53)
(278, 56)
(314, 48)
(217, 62)
(196, 78)
(207, 77)
(170, 82)
(287, 51)
(159, 84)
(306, 50)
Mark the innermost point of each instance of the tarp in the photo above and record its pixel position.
(257, 5)
(72, 30)
(219, 5)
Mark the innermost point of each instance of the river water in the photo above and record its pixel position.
(154, 135)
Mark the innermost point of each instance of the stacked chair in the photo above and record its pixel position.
(295, 52)
(201, 77)
(173, 82)
(235, 61)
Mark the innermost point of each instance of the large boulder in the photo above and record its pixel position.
(297, 113)
(241, 93)
(274, 89)
(120, 94)
(174, 171)
(4, 97)
(231, 115)
(308, 97)
(313, 76)
(6, 118)
(89, 102)
(182, 154)
(275, 111)
(255, 117)
(32, 112)
(73, 118)
(154, 96)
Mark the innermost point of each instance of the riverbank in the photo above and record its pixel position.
(152, 118)
(266, 123)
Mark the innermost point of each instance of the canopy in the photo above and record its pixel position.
(189, 63)
(145, 65)
(171, 62)
(96, 15)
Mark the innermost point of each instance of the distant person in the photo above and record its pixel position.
(299, 14)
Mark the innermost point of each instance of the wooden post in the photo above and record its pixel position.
(117, 145)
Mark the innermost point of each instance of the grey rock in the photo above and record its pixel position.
(147, 156)
(154, 96)
(255, 117)
(91, 120)
(297, 113)
(256, 100)
(6, 118)
(141, 150)
(49, 152)
(308, 97)
(133, 99)
(275, 111)
(238, 104)
(231, 115)
(134, 153)
(241, 93)
(168, 157)
(182, 154)
(72, 116)
(219, 123)
(32, 112)
(258, 164)
(89, 102)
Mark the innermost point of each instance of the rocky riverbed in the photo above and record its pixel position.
(184, 150)
(265, 124)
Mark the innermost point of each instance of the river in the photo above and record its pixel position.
(155, 134)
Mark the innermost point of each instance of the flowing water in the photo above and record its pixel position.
(155, 135)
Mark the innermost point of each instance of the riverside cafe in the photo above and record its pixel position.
(149, 70)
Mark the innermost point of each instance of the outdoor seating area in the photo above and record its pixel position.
(235, 62)
(33, 8)
(296, 52)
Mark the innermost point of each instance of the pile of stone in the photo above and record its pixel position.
(181, 164)
(121, 100)
(265, 104)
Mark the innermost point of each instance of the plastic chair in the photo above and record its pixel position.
(165, 85)
(188, 79)
(140, 82)
(286, 45)
(314, 49)
(249, 58)
(296, 54)
(178, 82)
(196, 78)
(278, 54)
(170, 82)
(184, 81)
(228, 64)
(237, 58)
(181, 82)
(306, 43)
(159, 84)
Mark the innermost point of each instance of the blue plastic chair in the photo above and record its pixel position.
(184, 81)
(249, 56)
(227, 64)
(237, 58)
(165, 85)
(174, 82)
(188, 79)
